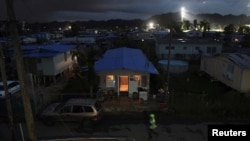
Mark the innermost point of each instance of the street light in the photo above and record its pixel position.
(151, 25)
(182, 13)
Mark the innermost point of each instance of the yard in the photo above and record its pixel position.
(194, 95)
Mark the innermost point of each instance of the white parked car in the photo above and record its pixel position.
(13, 88)
(74, 109)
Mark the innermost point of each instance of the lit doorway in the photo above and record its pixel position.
(123, 85)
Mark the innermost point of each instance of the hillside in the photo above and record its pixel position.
(215, 18)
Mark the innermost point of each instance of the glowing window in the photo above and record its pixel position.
(110, 81)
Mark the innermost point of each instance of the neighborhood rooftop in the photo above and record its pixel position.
(45, 50)
(125, 58)
(242, 60)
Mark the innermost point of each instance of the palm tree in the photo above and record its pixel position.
(87, 58)
(204, 26)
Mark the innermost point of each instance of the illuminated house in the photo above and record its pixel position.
(124, 70)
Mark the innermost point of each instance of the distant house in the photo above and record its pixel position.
(124, 70)
(193, 33)
(232, 69)
(187, 48)
(237, 38)
(42, 36)
(28, 40)
(79, 40)
(136, 35)
(47, 63)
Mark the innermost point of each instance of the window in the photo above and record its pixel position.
(110, 81)
(230, 68)
(13, 84)
(110, 77)
(77, 109)
(88, 109)
(66, 109)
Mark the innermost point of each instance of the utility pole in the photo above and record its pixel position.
(7, 95)
(21, 72)
(168, 65)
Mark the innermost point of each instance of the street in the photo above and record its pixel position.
(118, 126)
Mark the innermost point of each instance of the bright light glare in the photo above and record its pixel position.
(182, 13)
(151, 25)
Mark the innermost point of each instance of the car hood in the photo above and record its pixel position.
(50, 109)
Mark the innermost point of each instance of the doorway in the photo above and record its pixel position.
(123, 85)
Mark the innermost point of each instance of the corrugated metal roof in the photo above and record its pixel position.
(243, 60)
(50, 50)
(125, 58)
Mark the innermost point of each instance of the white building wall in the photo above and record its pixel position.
(57, 64)
(118, 73)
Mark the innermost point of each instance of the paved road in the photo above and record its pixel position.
(128, 129)
(124, 127)
(120, 127)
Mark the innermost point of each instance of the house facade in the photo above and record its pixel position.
(48, 63)
(124, 70)
(187, 48)
(232, 69)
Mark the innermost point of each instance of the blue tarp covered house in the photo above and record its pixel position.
(124, 70)
(49, 62)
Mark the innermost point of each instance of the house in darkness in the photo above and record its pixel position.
(187, 48)
(48, 63)
(193, 33)
(124, 70)
(232, 69)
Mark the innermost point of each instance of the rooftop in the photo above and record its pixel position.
(125, 58)
(242, 60)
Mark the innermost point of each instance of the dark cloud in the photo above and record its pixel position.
(49, 10)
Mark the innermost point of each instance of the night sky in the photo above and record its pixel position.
(61, 10)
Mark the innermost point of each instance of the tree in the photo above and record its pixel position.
(75, 28)
(87, 58)
(204, 26)
(195, 23)
(244, 30)
(187, 25)
(230, 29)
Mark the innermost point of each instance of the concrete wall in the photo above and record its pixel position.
(57, 64)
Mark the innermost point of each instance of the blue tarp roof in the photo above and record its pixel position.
(50, 50)
(125, 58)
